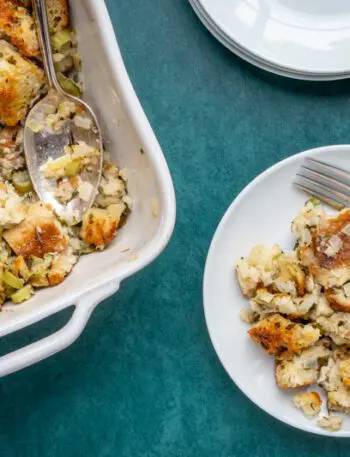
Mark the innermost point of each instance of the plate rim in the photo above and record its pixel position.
(241, 195)
(265, 57)
(250, 58)
(254, 60)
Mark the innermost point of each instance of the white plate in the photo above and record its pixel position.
(261, 214)
(307, 36)
(250, 58)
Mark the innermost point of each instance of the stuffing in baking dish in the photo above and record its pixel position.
(36, 248)
(300, 308)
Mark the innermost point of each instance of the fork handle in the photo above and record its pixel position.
(43, 31)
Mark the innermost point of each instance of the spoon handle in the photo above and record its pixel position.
(43, 30)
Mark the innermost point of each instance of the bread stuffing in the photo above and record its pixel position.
(309, 402)
(277, 335)
(22, 82)
(302, 368)
(330, 423)
(38, 249)
(300, 309)
(17, 24)
(334, 378)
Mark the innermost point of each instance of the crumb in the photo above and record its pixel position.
(124, 174)
(120, 122)
(155, 207)
(248, 316)
(330, 423)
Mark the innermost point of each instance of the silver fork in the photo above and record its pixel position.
(327, 182)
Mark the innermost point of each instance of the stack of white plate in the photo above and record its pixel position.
(303, 39)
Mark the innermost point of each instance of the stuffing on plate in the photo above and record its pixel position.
(300, 309)
(330, 423)
(37, 249)
(309, 402)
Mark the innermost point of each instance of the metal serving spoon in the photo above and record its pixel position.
(46, 144)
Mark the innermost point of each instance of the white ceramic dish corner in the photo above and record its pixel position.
(261, 214)
(130, 141)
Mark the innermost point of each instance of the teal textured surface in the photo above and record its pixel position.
(143, 379)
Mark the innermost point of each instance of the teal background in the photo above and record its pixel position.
(143, 380)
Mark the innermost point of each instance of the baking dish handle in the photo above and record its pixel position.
(59, 340)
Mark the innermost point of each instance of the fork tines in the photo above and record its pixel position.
(327, 182)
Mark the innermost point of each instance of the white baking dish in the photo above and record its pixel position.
(130, 140)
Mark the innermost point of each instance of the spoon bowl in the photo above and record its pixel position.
(45, 140)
